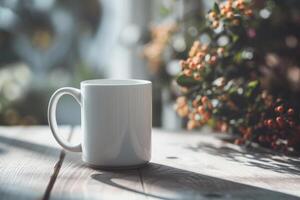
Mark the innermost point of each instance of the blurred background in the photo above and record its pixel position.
(48, 44)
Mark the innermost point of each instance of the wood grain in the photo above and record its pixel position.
(77, 181)
(185, 166)
(193, 166)
(27, 160)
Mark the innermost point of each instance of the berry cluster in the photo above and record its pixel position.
(199, 58)
(223, 90)
(198, 114)
(153, 51)
(230, 11)
(284, 118)
(280, 125)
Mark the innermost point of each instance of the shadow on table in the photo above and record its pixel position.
(29, 146)
(20, 190)
(252, 156)
(169, 183)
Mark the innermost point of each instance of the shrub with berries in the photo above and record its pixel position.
(230, 80)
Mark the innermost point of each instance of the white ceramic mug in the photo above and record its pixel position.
(116, 120)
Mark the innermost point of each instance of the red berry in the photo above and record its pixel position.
(204, 99)
(270, 123)
(279, 109)
(193, 65)
(201, 109)
(280, 121)
(290, 112)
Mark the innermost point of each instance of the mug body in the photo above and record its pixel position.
(116, 119)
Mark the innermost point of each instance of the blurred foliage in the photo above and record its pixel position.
(242, 75)
(176, 29)
(43, 46)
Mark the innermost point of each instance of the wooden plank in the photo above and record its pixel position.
(185, 166)
(28, 156)
(77, 181)
(196, 166)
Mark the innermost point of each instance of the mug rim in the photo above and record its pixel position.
(115, 82)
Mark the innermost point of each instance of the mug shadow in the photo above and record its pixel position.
(169, 183)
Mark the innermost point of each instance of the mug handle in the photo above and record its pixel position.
(74, 92)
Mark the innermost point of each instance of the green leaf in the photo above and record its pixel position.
(235, 38)
(186, 81)
(216, 8)
(253, 84)
(232, 90)
(252, 88)
(238, 57)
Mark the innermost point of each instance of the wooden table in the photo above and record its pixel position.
(183, 166)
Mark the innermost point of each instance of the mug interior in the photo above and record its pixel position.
(117, 82)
